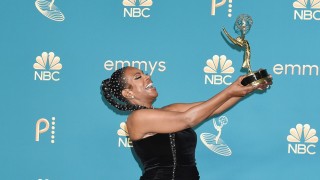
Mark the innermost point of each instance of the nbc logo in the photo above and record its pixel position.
(218, 70)
(47, 59)
(214, 142)
(131, 10)
(298, 134)
(307, 10)
(124, 139)
(215, 4)
(49, 10)
(46, 123)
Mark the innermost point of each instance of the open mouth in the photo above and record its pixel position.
(150, 86)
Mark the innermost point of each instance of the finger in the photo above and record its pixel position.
(261, 86)
(268, 82)
(264, 86)
(270, 79)
(252, 87)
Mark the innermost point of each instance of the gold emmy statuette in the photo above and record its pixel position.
(242, 26)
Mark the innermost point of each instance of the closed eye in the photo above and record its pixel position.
(137, 77)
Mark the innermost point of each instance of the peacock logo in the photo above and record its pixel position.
(219, 63)
(302, 139)
(314, 4)
(47, 59)
(305, 132)
(306, 10)
(123, 131)
(47, 67)
(123, 134)
(49, 10)
(218, 70)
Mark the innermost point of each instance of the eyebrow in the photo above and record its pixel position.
(137, 73)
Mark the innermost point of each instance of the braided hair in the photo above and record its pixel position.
(112, 91)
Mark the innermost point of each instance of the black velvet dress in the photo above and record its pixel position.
(168, 156)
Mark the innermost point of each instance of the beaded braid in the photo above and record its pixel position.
(112, 91)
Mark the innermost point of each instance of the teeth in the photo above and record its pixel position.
(149, 86)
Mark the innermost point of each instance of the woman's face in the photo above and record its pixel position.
(140, 85)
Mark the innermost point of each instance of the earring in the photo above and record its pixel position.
(132, 97)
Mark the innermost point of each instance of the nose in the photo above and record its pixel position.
(147, 76)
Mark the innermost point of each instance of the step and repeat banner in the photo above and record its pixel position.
(55, 124)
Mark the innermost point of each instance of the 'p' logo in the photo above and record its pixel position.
(215, 5)
(44, 129)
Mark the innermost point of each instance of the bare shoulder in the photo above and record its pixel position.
(134, 116)
(143, 116)
(145, 121)
(139, 116)
(138, 123)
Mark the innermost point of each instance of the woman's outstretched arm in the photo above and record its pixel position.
(182, 107)
(147, 121)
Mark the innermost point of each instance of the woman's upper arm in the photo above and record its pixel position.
(146, 121)
(180, 107)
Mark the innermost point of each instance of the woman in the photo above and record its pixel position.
(163, 138)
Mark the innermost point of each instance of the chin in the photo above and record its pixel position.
(154, 95)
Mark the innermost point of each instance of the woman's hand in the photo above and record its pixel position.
(236, 89)
(267, 84)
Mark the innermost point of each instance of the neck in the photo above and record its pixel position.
(149, 106)
(145, 104)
